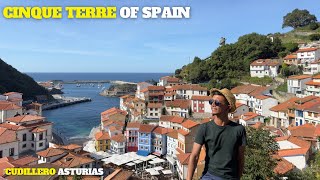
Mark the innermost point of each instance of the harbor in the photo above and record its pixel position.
(65, 101)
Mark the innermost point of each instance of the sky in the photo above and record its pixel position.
(135, 45)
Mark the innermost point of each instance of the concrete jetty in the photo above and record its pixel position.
(65, 101)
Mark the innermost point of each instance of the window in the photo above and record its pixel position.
(1, 154)
(24, 146)
(40, 144)
(24, 137)
(32, 145)
(32, 137)
(156, 114)
(151, 114)
(11, 152)
(156, 109)
(41, 136)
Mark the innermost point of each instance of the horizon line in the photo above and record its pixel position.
(108, 72)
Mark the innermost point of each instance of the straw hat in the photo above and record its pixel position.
(228, 95)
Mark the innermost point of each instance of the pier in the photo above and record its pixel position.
(96, 82)
(65, 101)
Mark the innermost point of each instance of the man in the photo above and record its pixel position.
(224, 141)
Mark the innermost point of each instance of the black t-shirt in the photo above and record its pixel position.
(222, 144)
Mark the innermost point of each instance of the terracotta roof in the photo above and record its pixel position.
(23, 161)
(119, 174)
(38, 130)
(146, 128)
(6, 105)
(133, 125)
(5, 165)
(195, 87)
(50, 152)
(257, 125)
(173, 119)
(71, 146)
(262, 97)
(7, 136)
(183, 132)
(239, 104)
(154, 105)
(291, 56)
(306, 49)
(179, 103)
(189, 124)
(283, 166)
(306, 130)
(114, 110)
(249, 89)
(249, 116)
(25, 118)
(265, 62)
(170, 79)
(283, 107)
(73, 160)
(173, 134)
(12, 126)
(144, 90)
(118, 138)
(299, 77)
(162, 130)
(156, 94)
(201, 98)
(125, 96)
(292, 152)
(317, 131)
(313, 83)
(156, 88)
(114, 128)
(183, 158)
(316, 76)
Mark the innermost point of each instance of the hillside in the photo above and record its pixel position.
(13, 80)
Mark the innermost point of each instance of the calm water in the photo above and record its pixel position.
(76, 121)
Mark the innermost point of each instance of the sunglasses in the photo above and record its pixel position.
(216, 102)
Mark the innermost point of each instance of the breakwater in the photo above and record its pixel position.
(67, 101)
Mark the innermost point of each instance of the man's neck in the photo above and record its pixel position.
(221, 121)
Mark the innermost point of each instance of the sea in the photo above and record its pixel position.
(76, 121)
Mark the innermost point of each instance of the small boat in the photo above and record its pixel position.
(78, 85)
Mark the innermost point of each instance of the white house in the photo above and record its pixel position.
(186, 91)
(307, 56)
(141, 88)
(178, 107)
(200, 106)
(282, 115)
(297, 83)
(172, 144)
(50, 155)
(118, 144)
(8, 110)
(294, 150)
(182, 165)
(173, 122)
(263, 104)
(291, 59)
(154, 110)
(169, 81)
(33, 132)
(14, 97)
(240, 109)
(313, 86)
(264, 67)
(250, 118)
(9, 145)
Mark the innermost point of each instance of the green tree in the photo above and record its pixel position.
(298, 18)
(259, 163)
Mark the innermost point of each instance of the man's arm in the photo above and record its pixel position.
(241, 160)
(193, 160)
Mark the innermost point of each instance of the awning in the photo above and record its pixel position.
(143, 153)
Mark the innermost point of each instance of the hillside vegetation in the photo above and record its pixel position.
(13, 80)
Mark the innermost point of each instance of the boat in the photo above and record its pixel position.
(78, 85)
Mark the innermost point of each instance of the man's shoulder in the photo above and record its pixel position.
(237, 126)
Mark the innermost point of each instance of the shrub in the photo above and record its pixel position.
(314, 37)
(313, 26)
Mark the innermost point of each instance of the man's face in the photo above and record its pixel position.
(219, 105)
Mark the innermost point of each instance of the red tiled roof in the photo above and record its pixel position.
(249, 115)
(154, 105)
(299, 77)
(248, 89)
(146, 128)
(317, 131)
(144, 90)
(173, 119)
(25, 118)
(133, 125)
(313, 83)
(201, 98)
(12, 126)
(173, 134)
(262, 97)
(179, 103)
(4, 165)
(306, 49)
(306, 130)
(71, 146)
(102, 136)
(291, 56)
(50, 152)
(11, 93)
(257, 125)
(292, 152)
(119, 174)
(114, 111)
(6, 105)
(265, 62)
(7, 136)
(283, 107)
(73, 160)
(239, 104)
(162, 130)
(22, 161)
(38, 130)
(170, 79)
(316, 76)
(195, 87)
(189, 124)
(118, 138)
(156, 88)
(183, 132)
(183, 158)
(283, 166)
